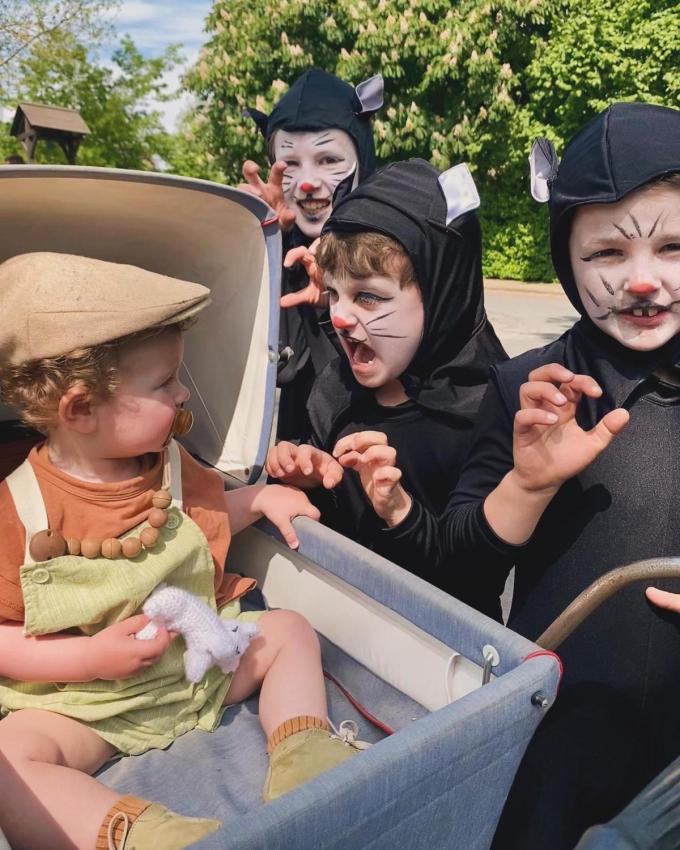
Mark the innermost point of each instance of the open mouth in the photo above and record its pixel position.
(313, 206)
(359, 353)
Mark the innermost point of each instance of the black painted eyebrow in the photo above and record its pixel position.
(287, 144)
(654, 225)
(323, 140)
(635, 222)
(391, 336)
(622, 231)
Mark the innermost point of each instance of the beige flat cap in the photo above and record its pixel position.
(51, 304)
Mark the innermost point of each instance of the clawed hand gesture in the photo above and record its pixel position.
(303, 466)
(375, 461)
(314, 292)
(549, 446)
(271, 192)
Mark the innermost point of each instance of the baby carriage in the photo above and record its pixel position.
(462, 694)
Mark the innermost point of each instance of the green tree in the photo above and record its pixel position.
(113, 100)
(475, 81)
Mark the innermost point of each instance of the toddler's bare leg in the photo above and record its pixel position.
(49, 801)
(285, 660)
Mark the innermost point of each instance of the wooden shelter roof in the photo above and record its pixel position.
(45, 117)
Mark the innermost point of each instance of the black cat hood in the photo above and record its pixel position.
(318, 100)
(433, 218)
(620, 150)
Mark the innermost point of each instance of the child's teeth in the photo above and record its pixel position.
(637, 311)
(652, 311)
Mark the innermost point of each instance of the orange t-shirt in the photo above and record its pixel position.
(84, 509)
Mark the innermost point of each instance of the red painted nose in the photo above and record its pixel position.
(308, 188)
(340, 323)
(642, 288)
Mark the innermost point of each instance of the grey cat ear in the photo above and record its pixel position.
(543, 163)
(459, 190)
(369, 95)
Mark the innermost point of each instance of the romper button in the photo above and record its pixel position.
(41, 576)
(173, 521)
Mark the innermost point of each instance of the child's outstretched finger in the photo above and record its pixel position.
(581, 385)
(609, 426)
(385, 478)
(538, 393)
(664, 599)
(251, 174)
(552, 372)
(306, 456)
(379, 456)
(359, 441)
(281, 457)
(330, 471)
(295, 255)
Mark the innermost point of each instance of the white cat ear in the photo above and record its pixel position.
(369, 95)
(459, 191)
(543, 164)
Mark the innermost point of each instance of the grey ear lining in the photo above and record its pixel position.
(543, 164)
(369, 95)
(459, 190)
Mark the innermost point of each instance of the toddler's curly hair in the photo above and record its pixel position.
(34, 388)
(363, 255)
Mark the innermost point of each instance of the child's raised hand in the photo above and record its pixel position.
(664, 599)
(303, 466)
(375, 461)
(271, 192)
(281, 504)
(313, 293)
(115, 654)
(549, 446)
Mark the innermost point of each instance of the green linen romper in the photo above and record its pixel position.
(82, 596)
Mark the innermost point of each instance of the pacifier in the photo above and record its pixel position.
(182, 423)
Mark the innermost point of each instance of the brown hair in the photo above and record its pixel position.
(669, 180)
(35, 388)
(362, 255)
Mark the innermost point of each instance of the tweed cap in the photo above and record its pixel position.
(52, 304)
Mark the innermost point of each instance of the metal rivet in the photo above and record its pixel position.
(540, 700)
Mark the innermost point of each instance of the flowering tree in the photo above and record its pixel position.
(475, 82)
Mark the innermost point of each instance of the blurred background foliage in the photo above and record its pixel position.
(474, 81)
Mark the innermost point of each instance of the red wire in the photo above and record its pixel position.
(364, 712)
(550, 654)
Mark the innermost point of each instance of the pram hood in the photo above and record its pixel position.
(184, 228)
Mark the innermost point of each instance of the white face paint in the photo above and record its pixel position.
(626, 262)
(380, 326)
(317, 162)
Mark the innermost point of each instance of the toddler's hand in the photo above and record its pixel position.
(115, 654)
(303, 466)
(664, 599)
(549, 446)
(369, 454)
(281, 504)
(271, 192)
(314, 292)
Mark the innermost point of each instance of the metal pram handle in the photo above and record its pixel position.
(606, 586)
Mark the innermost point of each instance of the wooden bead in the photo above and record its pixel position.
(112, 548)
(157, 517)
(132, 546)
(161, 499)
(73, 546)
(91, 548)
(149, 537)
(47, 544)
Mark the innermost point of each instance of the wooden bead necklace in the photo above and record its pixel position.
(52, 544)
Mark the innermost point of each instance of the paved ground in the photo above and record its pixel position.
(527, 315)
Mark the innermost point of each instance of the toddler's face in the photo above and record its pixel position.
(379, 324)
(139, 416)
(626, 262)
(317, 162)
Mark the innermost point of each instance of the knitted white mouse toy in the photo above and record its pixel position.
(209, 639)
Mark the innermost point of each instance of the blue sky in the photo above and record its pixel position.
(154, 24)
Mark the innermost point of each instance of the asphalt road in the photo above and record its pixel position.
(527, 315)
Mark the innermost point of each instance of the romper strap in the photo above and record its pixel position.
(29, 503)
(172, 473)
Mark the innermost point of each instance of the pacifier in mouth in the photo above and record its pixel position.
(182, 423)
